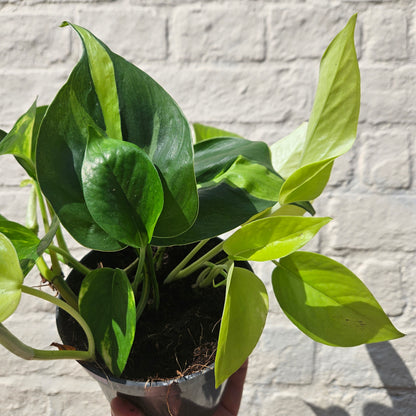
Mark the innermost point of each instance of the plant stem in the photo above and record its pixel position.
(172, 275)
(139, 271)
(42, 206)
(144, 297)
(152, 273)
(58, 282)
(71, 261)
(13, 344)
(196, 265)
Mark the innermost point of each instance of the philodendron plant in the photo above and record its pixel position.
(114, 161)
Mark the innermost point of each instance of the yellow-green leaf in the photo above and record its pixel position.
(11, 278)
(245, 311)
(272, 237)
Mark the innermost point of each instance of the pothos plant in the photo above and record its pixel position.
(114, 161)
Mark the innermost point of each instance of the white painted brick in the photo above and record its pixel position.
(383, 278)
(388, 96)
(19, 90)
(32, 41)
(304, 32)
(13, 203)
(386, 32)
(134, 33)
(372, 222)
(355, 367)
(385, 160)
(9, 164)
(242, 95)
(218, 34)
(284, 355)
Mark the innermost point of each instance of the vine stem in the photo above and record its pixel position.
(58, 281)
(17, 347)
(172, 275)
(74, 263)
(196, 265)
(139, 271)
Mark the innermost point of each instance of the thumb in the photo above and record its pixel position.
(122, 407)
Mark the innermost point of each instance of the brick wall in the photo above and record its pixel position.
(251, 67)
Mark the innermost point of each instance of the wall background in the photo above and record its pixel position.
(251, 67)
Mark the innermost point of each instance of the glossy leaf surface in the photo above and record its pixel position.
(122, 190)
(333, 122)
(11, 278)
(328, 302)
(245, 311)
(106, 302)
(236, 180)
(148, 117)
(272, 237)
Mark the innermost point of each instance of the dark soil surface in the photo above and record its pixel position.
(179, 338)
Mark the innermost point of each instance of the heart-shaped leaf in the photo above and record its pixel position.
(108, 94)
(106, 302)
(272, 237)
(332, 126)
(122, 190)
(11, 278)
(328, 302)
(245, 311)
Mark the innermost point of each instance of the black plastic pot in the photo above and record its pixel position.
(191, 395)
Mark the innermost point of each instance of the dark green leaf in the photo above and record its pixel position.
(328, 302)
(106, 302)
(215, 156)
(148, 118)
(221, 209)
(122, 190)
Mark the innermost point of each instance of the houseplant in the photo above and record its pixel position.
(112, 160)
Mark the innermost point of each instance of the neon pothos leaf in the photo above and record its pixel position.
(328, 302)
(106, 302)
(245, 311)
(11, 278)
(122, 190)
(272, 237)
(333, 122)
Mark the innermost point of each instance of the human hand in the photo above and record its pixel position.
(229, 406)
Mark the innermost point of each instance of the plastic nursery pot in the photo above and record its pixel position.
(190, 395)
(193, 395)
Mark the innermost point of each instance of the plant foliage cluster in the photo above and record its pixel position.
(115, 162)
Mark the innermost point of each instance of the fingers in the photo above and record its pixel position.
(233, 392)
(122, 407)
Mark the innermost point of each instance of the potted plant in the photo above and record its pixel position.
(114, 161)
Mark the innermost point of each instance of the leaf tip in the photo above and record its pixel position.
(64, 23)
